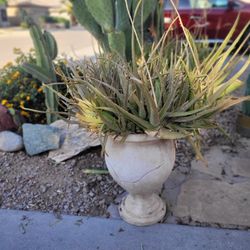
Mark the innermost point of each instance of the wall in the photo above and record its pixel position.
(3, 16)
(14, 13)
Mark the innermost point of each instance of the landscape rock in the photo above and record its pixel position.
(244, 145)
(74, 140)
(242, 169)
(113, 211)
(212, 201)
(40, 138)
(216, 160)
(171, 187)
(10, 142)
(6, 121)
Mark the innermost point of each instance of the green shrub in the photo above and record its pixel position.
(55, 20)
(18, 89)
(21, 92)
(23, 25)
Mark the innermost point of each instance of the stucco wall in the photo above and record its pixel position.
(14, 13)
(3, 22)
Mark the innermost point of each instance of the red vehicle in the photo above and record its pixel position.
(213, 18)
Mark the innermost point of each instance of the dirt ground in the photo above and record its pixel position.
(36, 183)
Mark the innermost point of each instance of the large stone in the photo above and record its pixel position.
(172, 187)
(216, 160)
(40, 138)
(74, 140)
(224, 162)
(6, 121)
(10, 142)
(240, 166)
(244, 145)
(211, 201)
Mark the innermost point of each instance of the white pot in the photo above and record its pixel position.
(140, 165)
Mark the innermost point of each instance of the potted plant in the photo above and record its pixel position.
(141, 104)
(243, 122)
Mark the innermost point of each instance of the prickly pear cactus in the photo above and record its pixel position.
(46, 51)
(109, 22)
(142, 10)
(103, 13)
(117, 42)
(122, 21)
(85, 18)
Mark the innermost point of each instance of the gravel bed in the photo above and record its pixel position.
(36, 183)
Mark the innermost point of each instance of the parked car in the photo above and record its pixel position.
(213, 18)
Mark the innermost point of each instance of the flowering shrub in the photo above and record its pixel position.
(18, 89)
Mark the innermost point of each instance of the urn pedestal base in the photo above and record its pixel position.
(140, 165)
(142, 210)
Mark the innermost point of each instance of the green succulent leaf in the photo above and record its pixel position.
(37, 71)
(103, 13)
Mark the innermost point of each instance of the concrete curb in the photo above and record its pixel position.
(21, 230)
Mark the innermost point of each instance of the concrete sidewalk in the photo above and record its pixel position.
(75, 43)
(34, 230)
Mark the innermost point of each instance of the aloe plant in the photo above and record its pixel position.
(170, 93)
(109, 21)
(246, 104)
(46, 51)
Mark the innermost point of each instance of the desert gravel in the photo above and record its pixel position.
(36, 183)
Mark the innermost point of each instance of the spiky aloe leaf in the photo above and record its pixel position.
(166, 134)
(232, 83)
(168, 102)
(214, 55)
(158, 92)
(140, 122)
(151, 107)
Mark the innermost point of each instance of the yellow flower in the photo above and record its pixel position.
(9, 105)
(140, 62)
(9, 81)
(34, 84)
(27, 98)
(4, 102)
(87, 115)
(24, 113)
(15, 75)
(22, 104)
(40, 90)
